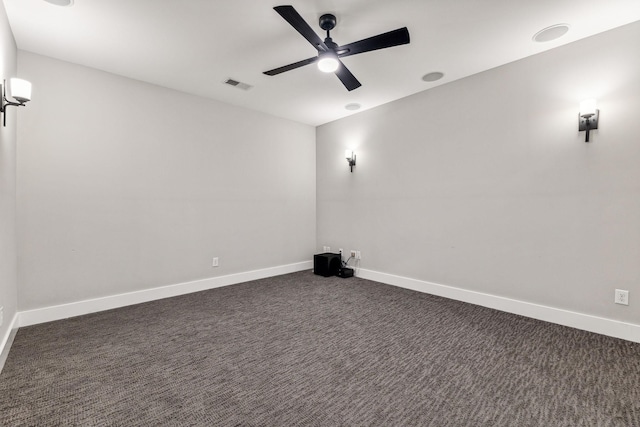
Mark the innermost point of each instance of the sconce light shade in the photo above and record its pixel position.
(20, 91)
(588, 117)
(588, 106)
(351, 158)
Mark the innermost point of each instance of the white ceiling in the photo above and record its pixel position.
(195, 45)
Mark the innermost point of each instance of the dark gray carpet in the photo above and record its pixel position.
(303, 350)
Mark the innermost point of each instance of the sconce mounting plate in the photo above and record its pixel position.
(593, 121)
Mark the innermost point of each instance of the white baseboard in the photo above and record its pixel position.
(64, 311)
(600, 325)
(7, 340)
(586, 322)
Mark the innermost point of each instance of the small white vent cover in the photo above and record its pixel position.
(239, 85)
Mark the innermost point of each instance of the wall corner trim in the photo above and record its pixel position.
(7, 340)
(586, 322)
(64, 311)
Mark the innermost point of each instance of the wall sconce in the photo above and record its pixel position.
(588, 117)
(351, 158)
(20, 91)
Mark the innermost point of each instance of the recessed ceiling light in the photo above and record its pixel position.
(432, 77)
(352, 107)
(60, 2)
(551, 33)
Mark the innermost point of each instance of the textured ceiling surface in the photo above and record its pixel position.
(195, 45)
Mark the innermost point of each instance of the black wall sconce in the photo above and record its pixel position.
(588, 117)
(351, 158)
(20, 91)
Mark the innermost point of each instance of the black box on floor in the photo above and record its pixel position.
(345, 272)
(326, 264)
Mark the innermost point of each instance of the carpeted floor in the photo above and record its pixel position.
(303, 350)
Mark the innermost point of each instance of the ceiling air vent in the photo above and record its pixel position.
(239, 85)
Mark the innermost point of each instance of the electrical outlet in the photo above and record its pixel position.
(1, 315)
(358, 256)
(215, 262)
(353, 254)
(621, 297)
(326, 248)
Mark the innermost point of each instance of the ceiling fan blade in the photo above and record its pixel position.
(292, 17)
(293, 66)
(348, 80)
(381, 41)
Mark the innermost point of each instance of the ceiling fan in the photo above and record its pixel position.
(329, 53)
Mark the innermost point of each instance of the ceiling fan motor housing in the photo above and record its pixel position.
(328, 22)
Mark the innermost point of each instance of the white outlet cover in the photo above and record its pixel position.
(621, 297)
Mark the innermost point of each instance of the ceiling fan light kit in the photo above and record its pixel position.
(328, 62)
(329, 53)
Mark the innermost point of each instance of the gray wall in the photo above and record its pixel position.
(485, 183)
(124, 186)
(8, 257)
